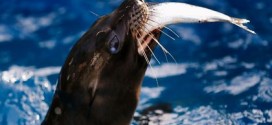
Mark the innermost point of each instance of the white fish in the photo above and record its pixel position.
(172, 12)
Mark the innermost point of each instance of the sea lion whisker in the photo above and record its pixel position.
(128, 6)
(166, 28)
(143, 52)
(172, 31)
(95, 14)
(173, 58)
(153, 54)
(153, 12)
(160, 29)
(152, 70)
(163, 27)
(156, 41)
(165, 55)
(155, 75)
(163, 48)
(163, 32)
(148, 62)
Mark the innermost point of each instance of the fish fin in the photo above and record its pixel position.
(240, 23)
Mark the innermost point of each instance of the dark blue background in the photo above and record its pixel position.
(227, 71)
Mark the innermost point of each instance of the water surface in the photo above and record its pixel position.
(222, 75)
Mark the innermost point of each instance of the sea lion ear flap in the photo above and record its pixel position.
(100, 37)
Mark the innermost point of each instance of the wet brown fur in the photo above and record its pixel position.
(96, 87)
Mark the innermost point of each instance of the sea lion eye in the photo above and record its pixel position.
(114, 45)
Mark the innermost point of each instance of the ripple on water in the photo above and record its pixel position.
(23, 94)
(265, 90)
(237, 85)
(24, 90)
(206, 115)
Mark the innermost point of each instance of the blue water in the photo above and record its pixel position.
(223, 74)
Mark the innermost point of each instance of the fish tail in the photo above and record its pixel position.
(240, 23)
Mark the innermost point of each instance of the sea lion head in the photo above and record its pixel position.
(123, 28)
(114, 47)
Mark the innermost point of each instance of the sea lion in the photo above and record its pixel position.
(100, 82)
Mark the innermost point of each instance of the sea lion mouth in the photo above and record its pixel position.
(147, 20)
(148, 41)
(139, 18)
